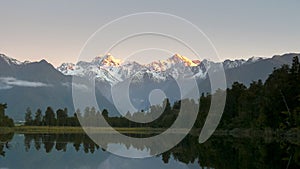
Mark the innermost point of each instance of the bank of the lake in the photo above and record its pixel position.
(291, 133)
(68, 129)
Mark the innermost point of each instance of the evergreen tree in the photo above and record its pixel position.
(49, 118)
(105, 113)
(5, 121)
(295, 65)
(167, 105)
(38, 117)
(62, 116)
(28, 117)
(2, 109)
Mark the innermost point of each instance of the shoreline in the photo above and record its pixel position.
(237, 132)
(69, 129)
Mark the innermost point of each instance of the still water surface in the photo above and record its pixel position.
(78, 151)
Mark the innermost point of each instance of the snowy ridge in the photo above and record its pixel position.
(12, 61)
(107, 60)
(229, 64)
(175, 60)
(109, 69)
(67, 68)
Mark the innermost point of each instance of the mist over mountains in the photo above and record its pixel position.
(39, 84)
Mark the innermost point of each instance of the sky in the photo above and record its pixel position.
(57, 30)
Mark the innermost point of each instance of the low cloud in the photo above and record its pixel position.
(75, 85)
(9, 82)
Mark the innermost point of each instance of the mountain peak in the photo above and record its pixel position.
(10, 60)
(43, 61)
(107, 60)
(197, 62)
(254, 59)
(66, 67)
(177, 58)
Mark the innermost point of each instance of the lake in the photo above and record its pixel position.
(78, 151)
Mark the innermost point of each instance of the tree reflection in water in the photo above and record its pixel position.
(217, 152)
(4, 142)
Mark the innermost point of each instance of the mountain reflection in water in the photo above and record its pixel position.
(79, 151)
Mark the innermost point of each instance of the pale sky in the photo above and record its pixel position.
(56, 30)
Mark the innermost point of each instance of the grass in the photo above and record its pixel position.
(6, 130)
(293, 133)
(68, 129)
(46, 129)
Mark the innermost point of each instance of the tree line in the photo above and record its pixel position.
(274, 104)
(50, 118)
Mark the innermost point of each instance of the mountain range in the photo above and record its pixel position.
(113, 71)
(39, 84)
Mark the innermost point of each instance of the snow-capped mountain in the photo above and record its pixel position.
(229, 64)
(233, 63)
(109, 69)
(12, 61)
(107, 61)
(175, 60)
(112, 70)
(67, 68)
